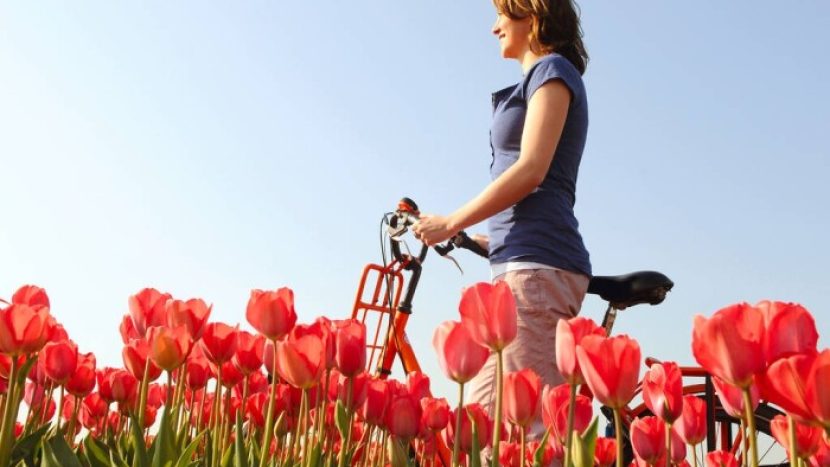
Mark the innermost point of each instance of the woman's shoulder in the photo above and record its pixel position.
(552, 66)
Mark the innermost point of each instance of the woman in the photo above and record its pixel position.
(537, 135)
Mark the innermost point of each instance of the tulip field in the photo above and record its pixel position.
(193, 392)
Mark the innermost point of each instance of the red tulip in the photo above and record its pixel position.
(678, 447)
(721, 459)
(611, 367)
(569, 334)
(33, 394)
(403, 417)
(510, 454)
(555, 408)
(198, 372)
(127, 330)
(272, 312)
(691, 426)
(818, 380)
(135, 355)
(23, 329)
(417, 384)
(729, 345)
(192, 314)
(822, 457)
(605, 452)
(219, 342)
(460, 357)
(231, 376)
(549, 452)
(521, 396)
(484, 427)
(31, 295)
(147, 309)
(785, 385)
(436, 414)
(732, 398)
(94, 406)
(249, 349)
(123, 386)
(807, 438)
(377, 399)
(83, 379)
(350, 345)
(359, 390)
(169, 347)
(488, 311)
(663, 391)
(301, 356)
(648, 439)
(328, 328)
(58, 360)
(789, 329)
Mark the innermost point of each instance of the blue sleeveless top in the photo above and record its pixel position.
(541, 227)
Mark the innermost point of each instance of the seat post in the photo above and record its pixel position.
(608, 320)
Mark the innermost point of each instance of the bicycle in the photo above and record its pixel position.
(620, 292)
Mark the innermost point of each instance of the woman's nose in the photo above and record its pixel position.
(495, 30)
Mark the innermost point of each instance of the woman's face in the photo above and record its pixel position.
(513, 34)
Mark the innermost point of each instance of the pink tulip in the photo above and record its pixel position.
(301, 356)
(350, 345)
(272, 312)
(521, 396)
(663, 391)
(807, 438)
(555, 408)
(435, 414)
(147, 309)
(483, 424)
(648, 439)
(403, 417)
(789, 329)
(732, 398)
(611, 367)
(488, 311)
(569, 334)
(691, 426)
(729, 345)
(459, 355)
(785, 385)
(192, 314)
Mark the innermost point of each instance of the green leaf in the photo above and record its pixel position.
(187, 455)
(63, 453)
(165, 446)
(227, 457)
(25, 447)
(317, 453)
(47, 457)
(341, 419)
(539, 455)
(141, 459)
(584, 444)
(239, 454)
(96, 452)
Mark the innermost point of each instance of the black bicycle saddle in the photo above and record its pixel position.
(631, 289)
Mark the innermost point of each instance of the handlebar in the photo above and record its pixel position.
(406, 215)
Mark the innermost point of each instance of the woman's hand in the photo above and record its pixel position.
(433, 229)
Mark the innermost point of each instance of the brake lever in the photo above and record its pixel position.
(444, 252)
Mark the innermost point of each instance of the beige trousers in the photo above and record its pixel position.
(543, 297)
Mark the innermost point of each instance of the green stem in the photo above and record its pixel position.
(142, 397)
(694, 456)
(618, 434)
(522, 437)
(793, 447)
(9, 414)
(269, 416)
(750, 419)
(348, 436)
(497, 415)
(214, 421)
(569, 435)
(458, 411)
(59, 410)
(668, 444)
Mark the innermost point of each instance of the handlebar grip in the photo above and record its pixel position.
(464, 241)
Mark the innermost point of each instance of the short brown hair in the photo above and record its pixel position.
(555, 27)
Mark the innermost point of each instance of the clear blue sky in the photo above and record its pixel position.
(207, 148)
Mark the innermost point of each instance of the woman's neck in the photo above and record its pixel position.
(527, 59)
